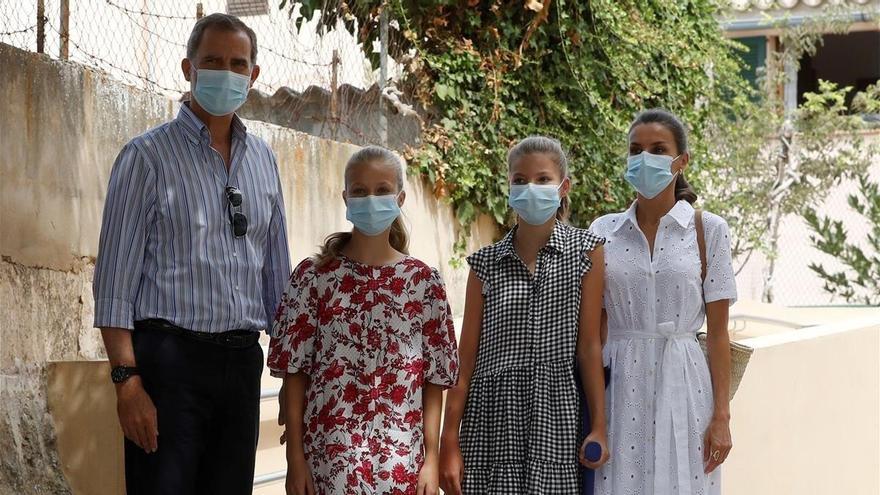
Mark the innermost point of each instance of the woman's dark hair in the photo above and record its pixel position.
(398, 237)
(683, 190)
(550, 147)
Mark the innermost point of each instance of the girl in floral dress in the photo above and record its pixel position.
(365, 343)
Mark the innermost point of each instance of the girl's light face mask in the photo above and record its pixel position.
(373, 215)
(535, 204)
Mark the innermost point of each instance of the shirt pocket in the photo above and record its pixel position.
(186, 209)
(257, 206)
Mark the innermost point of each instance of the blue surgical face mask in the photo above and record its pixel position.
(649, 174)
(535, 204)
(220, 92)
(372, 215)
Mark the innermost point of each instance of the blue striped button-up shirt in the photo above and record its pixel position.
(167, 249)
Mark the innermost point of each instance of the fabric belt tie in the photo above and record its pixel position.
(672, 395)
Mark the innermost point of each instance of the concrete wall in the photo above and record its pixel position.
(805, 418)
(359, 113)
(60, 129)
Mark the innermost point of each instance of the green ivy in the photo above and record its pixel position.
(858, 278)
(489, 73)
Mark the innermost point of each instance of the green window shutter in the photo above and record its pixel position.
(754, 58)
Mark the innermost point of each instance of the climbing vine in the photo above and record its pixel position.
(488, 73)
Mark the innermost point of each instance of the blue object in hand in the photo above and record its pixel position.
(593, 452)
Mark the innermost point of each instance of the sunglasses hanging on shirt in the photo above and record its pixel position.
(236, 217)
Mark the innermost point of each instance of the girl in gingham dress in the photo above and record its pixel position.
(531, 321)
(365, 343)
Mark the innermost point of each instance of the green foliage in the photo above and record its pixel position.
(858, 281)
(778, 160)
(492, 72)
(868, 101)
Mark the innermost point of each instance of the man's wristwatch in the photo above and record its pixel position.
(121, 373)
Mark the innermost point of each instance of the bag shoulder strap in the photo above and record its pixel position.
(701, 242)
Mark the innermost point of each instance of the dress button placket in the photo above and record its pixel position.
(654, 271)
(533, 292)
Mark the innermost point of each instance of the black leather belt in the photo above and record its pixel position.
(234, 339)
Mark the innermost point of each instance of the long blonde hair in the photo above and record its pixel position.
(398, 237)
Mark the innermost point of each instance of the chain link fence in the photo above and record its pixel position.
(793, 283)
(142, 42)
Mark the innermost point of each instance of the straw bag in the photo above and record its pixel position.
(739, 353)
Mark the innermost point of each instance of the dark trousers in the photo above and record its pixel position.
(588, 475)
(207, 399)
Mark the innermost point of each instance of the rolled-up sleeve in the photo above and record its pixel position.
(440, 348)
(128, 211)
(276, 269)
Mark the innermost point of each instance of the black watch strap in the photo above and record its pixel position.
(121, 373)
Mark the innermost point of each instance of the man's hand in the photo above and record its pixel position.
(137, 414)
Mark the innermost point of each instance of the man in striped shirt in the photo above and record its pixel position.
(192, 261)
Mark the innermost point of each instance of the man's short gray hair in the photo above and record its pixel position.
(223, 22)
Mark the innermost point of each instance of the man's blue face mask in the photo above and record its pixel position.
(220, 92)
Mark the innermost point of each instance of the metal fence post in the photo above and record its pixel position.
(383, 73)
(64, 52)
(334, 94)
(41, 26)
(200, 10)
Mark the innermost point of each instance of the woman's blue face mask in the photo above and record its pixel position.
(650, 174)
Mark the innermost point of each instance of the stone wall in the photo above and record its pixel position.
(357, 120)
(60, 128)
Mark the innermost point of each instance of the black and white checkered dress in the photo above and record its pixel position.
(520, 430)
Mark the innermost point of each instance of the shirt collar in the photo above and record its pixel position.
(197, 131)
(555, 243)
(629, 216)
(682, 213)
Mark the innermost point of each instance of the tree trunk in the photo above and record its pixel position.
(774, 220)
(786, 170)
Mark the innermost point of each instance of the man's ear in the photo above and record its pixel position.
(345, 197)
(255, 73)
(186, 67)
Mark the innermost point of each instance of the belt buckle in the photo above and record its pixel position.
(234, 340)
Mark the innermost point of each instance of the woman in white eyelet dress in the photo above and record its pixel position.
(666, 432)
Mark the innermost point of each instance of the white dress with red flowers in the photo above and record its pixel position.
(369, 338)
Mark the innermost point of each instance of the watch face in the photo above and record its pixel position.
(119, 374)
